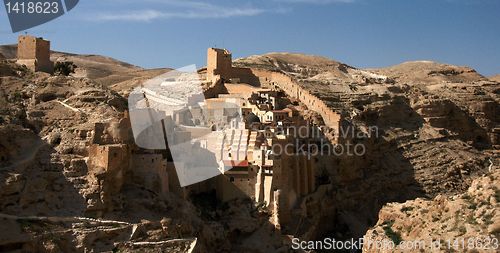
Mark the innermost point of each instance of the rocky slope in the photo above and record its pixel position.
(120, 76)
(54, 197)
(495, 78)
(437, 124)
(437, 132)
(472, 216)
(45, 124)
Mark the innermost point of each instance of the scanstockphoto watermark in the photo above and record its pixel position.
(319, 148)
(484, 243)
(316, 144)
(314, 132)
(327, 244)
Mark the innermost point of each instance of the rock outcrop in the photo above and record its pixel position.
(429, 130)
(436, 129)
(442, 223)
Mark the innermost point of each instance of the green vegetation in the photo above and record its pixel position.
(389, 232)
(488, 219)
(472, 206)
(462, 230)
(64, 68)
(471, 219)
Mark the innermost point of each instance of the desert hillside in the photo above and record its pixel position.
(495, 78)
(430, 168)
(438, 124)
(429, 72)
(107, 71)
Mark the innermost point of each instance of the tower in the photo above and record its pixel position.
(34, 53)
(219, 62)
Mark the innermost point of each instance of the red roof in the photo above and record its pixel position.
(233, 163)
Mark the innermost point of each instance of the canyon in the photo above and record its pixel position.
(72, 178)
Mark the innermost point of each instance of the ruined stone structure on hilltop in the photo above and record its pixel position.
(34, 53)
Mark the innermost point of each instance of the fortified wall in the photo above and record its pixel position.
(219, 65)
(34, 53)
(294, 90)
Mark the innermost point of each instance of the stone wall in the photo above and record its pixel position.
(220, 66)
(34, 53)
(219, 62)
(293, 173)
(236, 186)
(215, 89)
(106, 169)
(293, 89)
(150, 171)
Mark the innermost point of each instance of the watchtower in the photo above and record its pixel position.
(34, 53)
(219, 62)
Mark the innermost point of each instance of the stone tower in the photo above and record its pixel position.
(34, 53)
(219, 62)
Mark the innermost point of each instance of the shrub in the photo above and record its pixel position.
(64, 68)
(389, 232)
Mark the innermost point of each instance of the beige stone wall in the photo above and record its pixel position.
(219, 62)
(294, 90)
(26, 47)
(293, 174)
(236, 186)
(150, 170)
(34, 53)
(215, 89)
(109, 157)
(106, 168)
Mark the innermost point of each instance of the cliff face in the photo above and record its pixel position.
(472, 215)
(437, 129)
(50, 178)
(67, 183)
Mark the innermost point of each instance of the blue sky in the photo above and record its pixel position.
(362, 33)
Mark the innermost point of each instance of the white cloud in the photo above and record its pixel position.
(179, 9)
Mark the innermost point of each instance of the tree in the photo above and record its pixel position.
(64, 68)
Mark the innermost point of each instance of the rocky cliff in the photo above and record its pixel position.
(464, 222)
(59, 192)
(437, 130)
